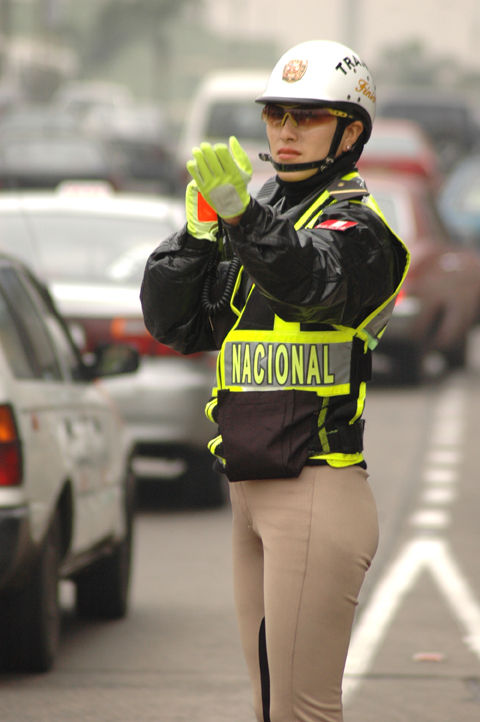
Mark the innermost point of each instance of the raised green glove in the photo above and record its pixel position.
(222, 174)
(202, 220)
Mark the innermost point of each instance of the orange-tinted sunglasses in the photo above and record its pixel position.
(300, 116)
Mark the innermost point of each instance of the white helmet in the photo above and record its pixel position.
(324, 72)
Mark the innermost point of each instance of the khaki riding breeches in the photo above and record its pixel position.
(301, 548)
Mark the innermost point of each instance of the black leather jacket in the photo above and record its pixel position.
(319, 274)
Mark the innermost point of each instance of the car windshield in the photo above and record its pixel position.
(52, 154)
(84, 248)
(390, 209)
(463, 189)
(401, 145)
(430, 115)
(240, 118)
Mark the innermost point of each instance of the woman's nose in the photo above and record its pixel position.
(288, 127)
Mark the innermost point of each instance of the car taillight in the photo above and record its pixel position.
(400, 296)
(133, 332)
(10, 452)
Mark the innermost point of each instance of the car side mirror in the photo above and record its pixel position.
(112, 359)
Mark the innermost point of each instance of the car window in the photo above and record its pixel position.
(70, 357)
(31, 326)
(471, 202)
(15, 237)
(403, 145)
(463, 189)
(14, 343)
(240, 118)
(390, 210)
(54, 153)
(431, 222)
(397, 209)
(429, 115)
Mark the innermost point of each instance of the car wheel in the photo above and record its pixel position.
(102, 590)
(409, 364)
(32, 631)
(196, 484)
(456, 356)
(203, 486)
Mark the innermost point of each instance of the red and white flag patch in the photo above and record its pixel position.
(336, 225)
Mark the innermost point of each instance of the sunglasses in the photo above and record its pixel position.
(301, 117)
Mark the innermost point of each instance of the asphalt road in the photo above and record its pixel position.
(415, 653)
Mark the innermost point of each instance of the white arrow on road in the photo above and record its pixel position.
(417, 556)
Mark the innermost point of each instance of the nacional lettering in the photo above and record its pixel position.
(279, 364)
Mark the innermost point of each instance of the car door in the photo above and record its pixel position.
(101, 434)
(64, 417)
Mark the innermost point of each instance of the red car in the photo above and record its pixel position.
(440, 300)
(401, 146)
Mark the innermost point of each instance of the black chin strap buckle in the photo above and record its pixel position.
(292, 167)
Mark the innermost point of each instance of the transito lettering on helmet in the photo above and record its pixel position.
(363, 87)
(349, 64)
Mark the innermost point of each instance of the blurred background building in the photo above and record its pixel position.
(160, 49)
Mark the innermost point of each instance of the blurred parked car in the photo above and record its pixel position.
(92, 252)
(440, 300)
(36, 118)
(66, 487)
(223, 105)
(34, 159)
(459, 200)
(80, 97)
(148, 166)
(140, 137)
(401, 146)
(446, 117)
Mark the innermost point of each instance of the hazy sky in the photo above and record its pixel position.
(448, 27)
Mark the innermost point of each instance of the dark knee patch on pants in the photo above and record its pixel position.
(264, 674)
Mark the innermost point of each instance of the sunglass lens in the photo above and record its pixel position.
(302, 117)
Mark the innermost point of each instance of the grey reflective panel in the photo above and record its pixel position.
(378, 322)
(257, 365)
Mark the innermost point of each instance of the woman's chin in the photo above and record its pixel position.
(296, 175)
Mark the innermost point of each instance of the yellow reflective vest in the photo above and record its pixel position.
(278, 381)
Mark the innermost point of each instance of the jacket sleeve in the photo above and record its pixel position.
(319, 274)
(171, 292)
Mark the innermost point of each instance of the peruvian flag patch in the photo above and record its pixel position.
(336, 225)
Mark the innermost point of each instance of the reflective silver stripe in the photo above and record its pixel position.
(378, 323)
(258, 364)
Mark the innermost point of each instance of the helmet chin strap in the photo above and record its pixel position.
(322, 164)
(291, 167)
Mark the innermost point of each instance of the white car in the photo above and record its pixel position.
(91, 250)
(66, 487)
(224, 105)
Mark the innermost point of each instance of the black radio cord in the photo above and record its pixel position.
(213, 306)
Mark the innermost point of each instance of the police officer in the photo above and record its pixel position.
(295, 289)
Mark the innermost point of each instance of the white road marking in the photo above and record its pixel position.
(439, 495)
(430, 518)
(436, 475)
(417, 556)
(426, 552)
(443, 457)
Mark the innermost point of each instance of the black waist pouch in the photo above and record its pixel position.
(267, 434)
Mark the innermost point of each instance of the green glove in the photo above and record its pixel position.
(222, 174)
(202, 220)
